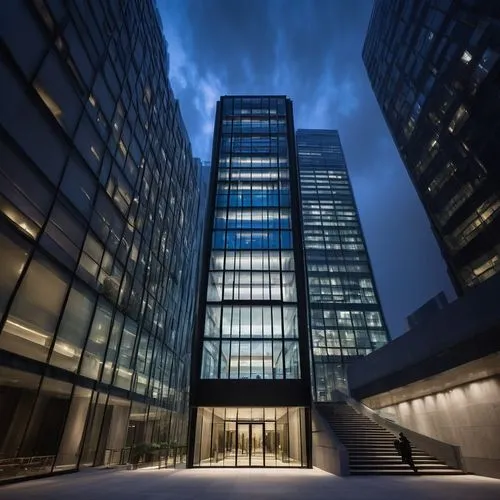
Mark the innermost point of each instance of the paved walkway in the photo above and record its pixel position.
(249, 484)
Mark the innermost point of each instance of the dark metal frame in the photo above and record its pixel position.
(237, 392)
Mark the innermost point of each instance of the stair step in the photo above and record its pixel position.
(360, 427)
(394, 461)
(397, 466)
(371, 447)
(355, 434)
(374, 449)
(407, 472)
(397, 458)
(362, 455)
(374, 440)
(368, 441)
(363, 436)
(355, 425)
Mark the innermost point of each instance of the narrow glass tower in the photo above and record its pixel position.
(250, 385)
(345, 317)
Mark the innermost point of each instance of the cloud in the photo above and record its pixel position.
(197, 89)
(209, 89)
(310, 51)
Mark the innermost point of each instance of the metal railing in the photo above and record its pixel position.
(448, 453)
(24, 466)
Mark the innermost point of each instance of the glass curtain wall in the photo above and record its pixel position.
(345, 317)
(433, 67)
(251, 327)
(98, 207)
(250, 437)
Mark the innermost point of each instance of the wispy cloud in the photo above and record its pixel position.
(309, 50)
(197, 88)
(209, 88)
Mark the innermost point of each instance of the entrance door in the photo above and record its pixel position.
(250, 445)
(243, 445)
(257, 447)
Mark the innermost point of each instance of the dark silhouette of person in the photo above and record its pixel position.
(406, 452)
(396, 446)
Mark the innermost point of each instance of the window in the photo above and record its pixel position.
(13, 255)
(250, 353)
(123, 372)
(98, 338)
(35, 311)
(89, 143)
(473, 225)
(28, 49)
(112, 352)
(441, 178)
(48, 419)
(63, 235)
(79, 186)
(78, 52)
(466, 57)
(18, 400)
(43, 145)
(458, 120)
(373, 319)
(73, 329)
(455, 202)
(56, 91)
(485, 65)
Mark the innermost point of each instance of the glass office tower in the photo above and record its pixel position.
(345, 316)
(250, 392)
(98, 205)
(434, 68)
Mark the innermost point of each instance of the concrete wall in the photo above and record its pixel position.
(329, 454)
(465, 330)
(467, 416)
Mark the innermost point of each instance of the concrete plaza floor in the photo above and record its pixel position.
(243, 484)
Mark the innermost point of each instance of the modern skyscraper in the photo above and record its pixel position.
(434, 67)
(98, 207)
(250, 384)
(345, 317)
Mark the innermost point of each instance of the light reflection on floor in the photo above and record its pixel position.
(256, 460)
(248, 484)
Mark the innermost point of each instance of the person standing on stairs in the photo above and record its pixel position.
(406, 452)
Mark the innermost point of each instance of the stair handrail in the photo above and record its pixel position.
(449, 453)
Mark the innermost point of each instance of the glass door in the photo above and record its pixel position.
(250, 445)
(257, 445)
(243, 445)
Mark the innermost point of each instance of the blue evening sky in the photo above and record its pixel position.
(311, 51)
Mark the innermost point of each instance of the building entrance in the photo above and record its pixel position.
(250, 437)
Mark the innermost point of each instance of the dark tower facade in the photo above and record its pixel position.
(98, 207)
(250, 385)
(345, 316)
(434, 67)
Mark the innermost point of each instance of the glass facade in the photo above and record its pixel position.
(251, 336)
(434, 66)
(98, 213)
(251, 313)
(250, 437)
(345, 317)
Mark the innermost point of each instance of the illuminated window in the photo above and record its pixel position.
(458, 120)
(473, 225)
(49, 102)
(466, 57)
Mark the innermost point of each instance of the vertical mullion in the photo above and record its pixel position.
(288, 433)
(211, 436)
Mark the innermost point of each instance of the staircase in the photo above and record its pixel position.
(371, 447)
